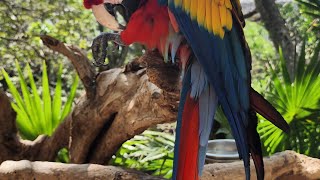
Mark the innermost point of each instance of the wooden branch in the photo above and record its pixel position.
(284, 165)
(14, 148)
(250, 14)
(118, 104)
(48, 170)
(126, 104)
(79, 60)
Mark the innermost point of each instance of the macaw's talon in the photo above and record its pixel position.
(115, 47)
(100, 45)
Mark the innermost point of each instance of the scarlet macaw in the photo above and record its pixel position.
(217, 75)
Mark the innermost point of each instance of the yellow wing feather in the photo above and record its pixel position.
(186, 5)
(228, 4)
(216, 24)
(201, 12)
(193, 9)
(223, 15)
(213, 15)
(208, 20)
(229, 20)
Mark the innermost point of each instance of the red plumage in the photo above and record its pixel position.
(149, 25)
(88, 3)
(189, 142)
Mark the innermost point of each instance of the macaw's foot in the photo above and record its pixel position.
(100, 45)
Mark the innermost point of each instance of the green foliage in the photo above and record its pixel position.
(224, 130)
(311, 8)
(63, 156)
(298, 100)
(22, 21)
(36, 115)
(150, 152)
(300, 24)
(258, 38)
(261, 47)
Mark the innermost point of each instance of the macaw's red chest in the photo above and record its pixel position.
(149, 25)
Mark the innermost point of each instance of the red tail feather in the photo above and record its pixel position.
(189, 142)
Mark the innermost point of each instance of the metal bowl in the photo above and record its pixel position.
(222, 149)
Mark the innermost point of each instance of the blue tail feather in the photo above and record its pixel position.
(208, 102)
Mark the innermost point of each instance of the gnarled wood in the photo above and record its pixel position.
(118, 104)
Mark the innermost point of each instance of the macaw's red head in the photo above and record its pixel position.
(101, 14)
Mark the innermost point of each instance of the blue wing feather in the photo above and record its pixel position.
(198, 80)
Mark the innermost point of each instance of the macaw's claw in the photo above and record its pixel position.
(100, 45)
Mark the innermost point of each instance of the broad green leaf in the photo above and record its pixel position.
(14, 91)
(293, 101)
(57, 102)
(37, 103)
(32, 117)
(72, 94)
(46, 98)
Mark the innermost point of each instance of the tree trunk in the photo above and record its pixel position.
(279, 33)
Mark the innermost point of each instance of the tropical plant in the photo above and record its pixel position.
(151, 152)
(298, 100)
(221, 128)
(312, 9)
(36, 115)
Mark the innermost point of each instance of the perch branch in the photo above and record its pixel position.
(48, 170)
(118, 104)
(284, 165)
(80, 62)
(250, 14)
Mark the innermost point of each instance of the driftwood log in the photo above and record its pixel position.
(117, 105)
(285, 165)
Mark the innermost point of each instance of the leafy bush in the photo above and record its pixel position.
(150, 152)
(312, 9)
(36, 116)
(298, 100)
(221, 128)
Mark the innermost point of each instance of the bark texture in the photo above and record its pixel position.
(279, 33)
(284, 165)
(117, 105)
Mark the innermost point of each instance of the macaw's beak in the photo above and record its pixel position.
(105, 18)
